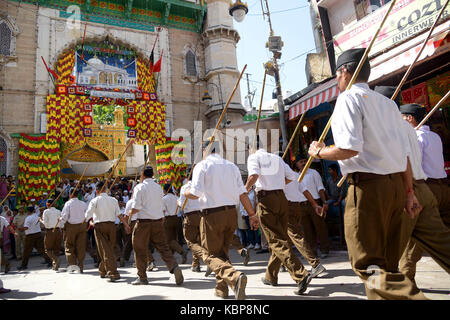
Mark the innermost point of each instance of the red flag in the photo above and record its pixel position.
(53, 73)
(157, 66)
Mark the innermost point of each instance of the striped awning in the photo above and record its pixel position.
(326, 92)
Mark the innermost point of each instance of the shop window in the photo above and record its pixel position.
(191, 64)
(366, 7)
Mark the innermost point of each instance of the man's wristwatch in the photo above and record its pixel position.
(317, 155)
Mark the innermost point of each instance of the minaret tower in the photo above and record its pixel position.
(220, 39)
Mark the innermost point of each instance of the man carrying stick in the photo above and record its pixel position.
(104, 210)
(148, 206)
(75, 236)
(373, 150)
(270, 174)
(52, 239)
(218, 198)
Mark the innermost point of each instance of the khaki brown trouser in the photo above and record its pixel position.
(441, 191)
(314, 228)
(428, 233)
(191, 232)
(296, 235)
(105, 235)
(146, 231)
(273, 213)
(128, 245)
(75, 240)
(52, 244)
(376, 237)
(171, 228)
(120, 239)
(216, 234)
(33, 240)
(236, 244)
(20, 240)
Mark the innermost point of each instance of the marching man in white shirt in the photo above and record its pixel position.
(313, 224)
(52, 239)
(104, 210)
(191, 227)
(171, 222)
(269, 173)
(217, 183)
(75, 236)
(372, 150)
(148, 207)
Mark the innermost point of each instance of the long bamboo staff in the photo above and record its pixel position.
(259, 110)
(208, 148)
(71, 195)
(408, 72)
(7, 196)
(352, 81)
(117, 163)
(294, 134)
(436, 107)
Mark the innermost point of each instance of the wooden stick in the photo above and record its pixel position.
(9, 193)
(352, 81)
(293, 134)
(71, 195)
(436, 107)
(208, 148)
(406, 75)
(117, 163)
(259, 110)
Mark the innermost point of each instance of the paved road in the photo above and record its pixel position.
(339, 282)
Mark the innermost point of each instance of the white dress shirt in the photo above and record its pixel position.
(415, 156)
(128, 209)
(313, 183)
(32, 223)
(103, 209)
(148, 200)
(50, 218)
(126, 199)
(217, 182)
(271, 170)
(294, 190)
(169, 204)
(191, 205)
(368, 122)
(432, 153)
(74, 211)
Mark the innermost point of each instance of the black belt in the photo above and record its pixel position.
(263, 193)
(217, 209)
(419, 181)
(304, 203)
(294, 202)
(149, 220)
(192, 212)
(356, 177)
(438, 181)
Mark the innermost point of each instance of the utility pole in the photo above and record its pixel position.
(249, 93)
(275, 44)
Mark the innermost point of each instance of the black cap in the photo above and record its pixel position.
(414, 109)
(299, 157)
(388, 92)
(148, 172)
(30, 209)
(352, 55)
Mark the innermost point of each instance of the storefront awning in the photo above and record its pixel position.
(404, 55)
(325, 92)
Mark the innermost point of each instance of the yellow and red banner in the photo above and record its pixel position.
(171, 165)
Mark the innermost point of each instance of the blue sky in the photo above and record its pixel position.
(294, 27)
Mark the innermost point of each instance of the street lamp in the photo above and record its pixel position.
(238, 10)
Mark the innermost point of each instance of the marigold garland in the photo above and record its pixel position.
(39, 165)
(171, 168)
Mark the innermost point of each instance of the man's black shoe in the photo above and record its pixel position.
(303, 285)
